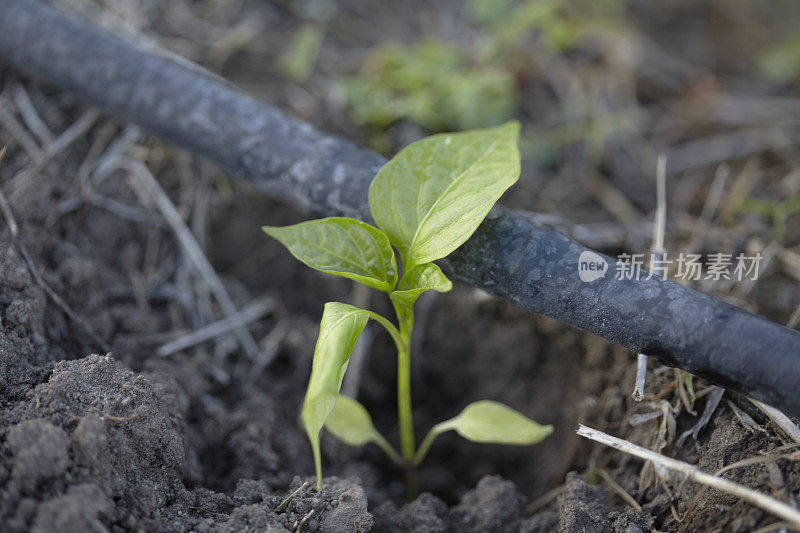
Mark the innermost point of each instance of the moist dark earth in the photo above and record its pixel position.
(128, 440)
(90, 445)
(100, 432)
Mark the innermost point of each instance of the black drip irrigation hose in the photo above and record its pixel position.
(511, 256)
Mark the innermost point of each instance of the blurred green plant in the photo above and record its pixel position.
(300, 56)
(778, 211)
(443, 85)
(781, 62)
(560, 24)
(432, 83)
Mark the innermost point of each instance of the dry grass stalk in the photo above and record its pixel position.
(190, 246)
(664, 465)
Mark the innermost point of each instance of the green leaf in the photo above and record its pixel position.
(340, 327)
(350, 423)
(419, 279)
(488, 422)
(431, 197)
(344, 247)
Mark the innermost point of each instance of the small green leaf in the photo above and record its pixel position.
(350, 423)
(340, 327)
(419, 279)
(488, 422)
(344, 247)
(432, 196)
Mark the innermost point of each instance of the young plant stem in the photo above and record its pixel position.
(402, 339)
(404, 403)
(435, 431)
(405, 318)
(389, 450)
(422, 451)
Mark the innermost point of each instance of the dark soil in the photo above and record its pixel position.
(90, 445)
(207, 440)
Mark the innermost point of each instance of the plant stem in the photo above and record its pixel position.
(411, 482)
(405, 319)
(389, 450)
(425, 446)
(404, 403)
(393, 332)
(435, 431)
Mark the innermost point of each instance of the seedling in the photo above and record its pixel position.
(427, 201)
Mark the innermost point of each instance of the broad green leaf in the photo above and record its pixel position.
(488, 422)
(342, 246)
(419, 279)
(350, 423)
(431, 197)
(340, 327)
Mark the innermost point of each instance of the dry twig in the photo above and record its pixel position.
(664, 464)
(711, 405)
(62, 142)
(617, 488)
(20, 134)
(703, 223)
(659, 229)
(545, 499)
(780, 420)
(30, 116)
(190, 246)
(250, 313)
(285, 502)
